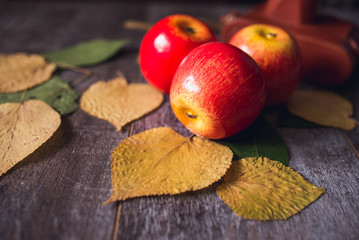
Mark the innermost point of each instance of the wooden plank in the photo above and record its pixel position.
(321, 155)
(58, 192)
(9, 21)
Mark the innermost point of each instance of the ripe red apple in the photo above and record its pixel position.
(217, 91)
(277, 54)
(166, 44)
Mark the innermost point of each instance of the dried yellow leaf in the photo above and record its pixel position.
(21, 71)
(161, 161)
(119, 102)
(262, 189)
(23, 128)
(323, 108)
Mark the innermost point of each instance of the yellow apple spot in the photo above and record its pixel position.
(272, 38)
(186, 116)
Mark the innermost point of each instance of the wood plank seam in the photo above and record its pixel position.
(117, 221)
(119, 204)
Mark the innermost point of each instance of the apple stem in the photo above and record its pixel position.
(87, 73)
(271, 35)
(190, 30)
(190, 115)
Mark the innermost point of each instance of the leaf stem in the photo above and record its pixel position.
(80, 79)
(73, 68)
(190, 137)
(120, 74)
(22, 96)
(137, 25)
(87, 73)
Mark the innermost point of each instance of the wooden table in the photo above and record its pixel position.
(58, 191)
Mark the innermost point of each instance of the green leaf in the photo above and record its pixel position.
(87, 53)
(56, 92)
(259, 140)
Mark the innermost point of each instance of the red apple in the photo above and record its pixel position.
(277, 54)
(166, 44)
(217, 91)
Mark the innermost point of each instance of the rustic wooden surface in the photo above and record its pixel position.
(58, 192)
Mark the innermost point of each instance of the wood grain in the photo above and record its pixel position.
(57, 192)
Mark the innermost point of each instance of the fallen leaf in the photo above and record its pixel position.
(262, 189)
(87, 53)
(119, 102)
(21, 71)
(56, 92)
(23, 128)
(260, 139)
(161, 161)
(323, 108)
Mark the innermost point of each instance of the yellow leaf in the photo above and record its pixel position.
(21, 71)
(23, 128)
(323, 108)
(119, 102)
(161, 161)
(262, 189)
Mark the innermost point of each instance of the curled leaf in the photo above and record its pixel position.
(86, 53)
(323, 108)
(21, 71)
(262, 189)
(161, 161)
(56, 92)
(23, 128)
(119, 102)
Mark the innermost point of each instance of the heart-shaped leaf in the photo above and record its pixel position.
(22, 71)
(119, 102)
(161, 161)
(87, 53)
(56, 92)
(259, 140)
(23, 128)
(262, 189)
